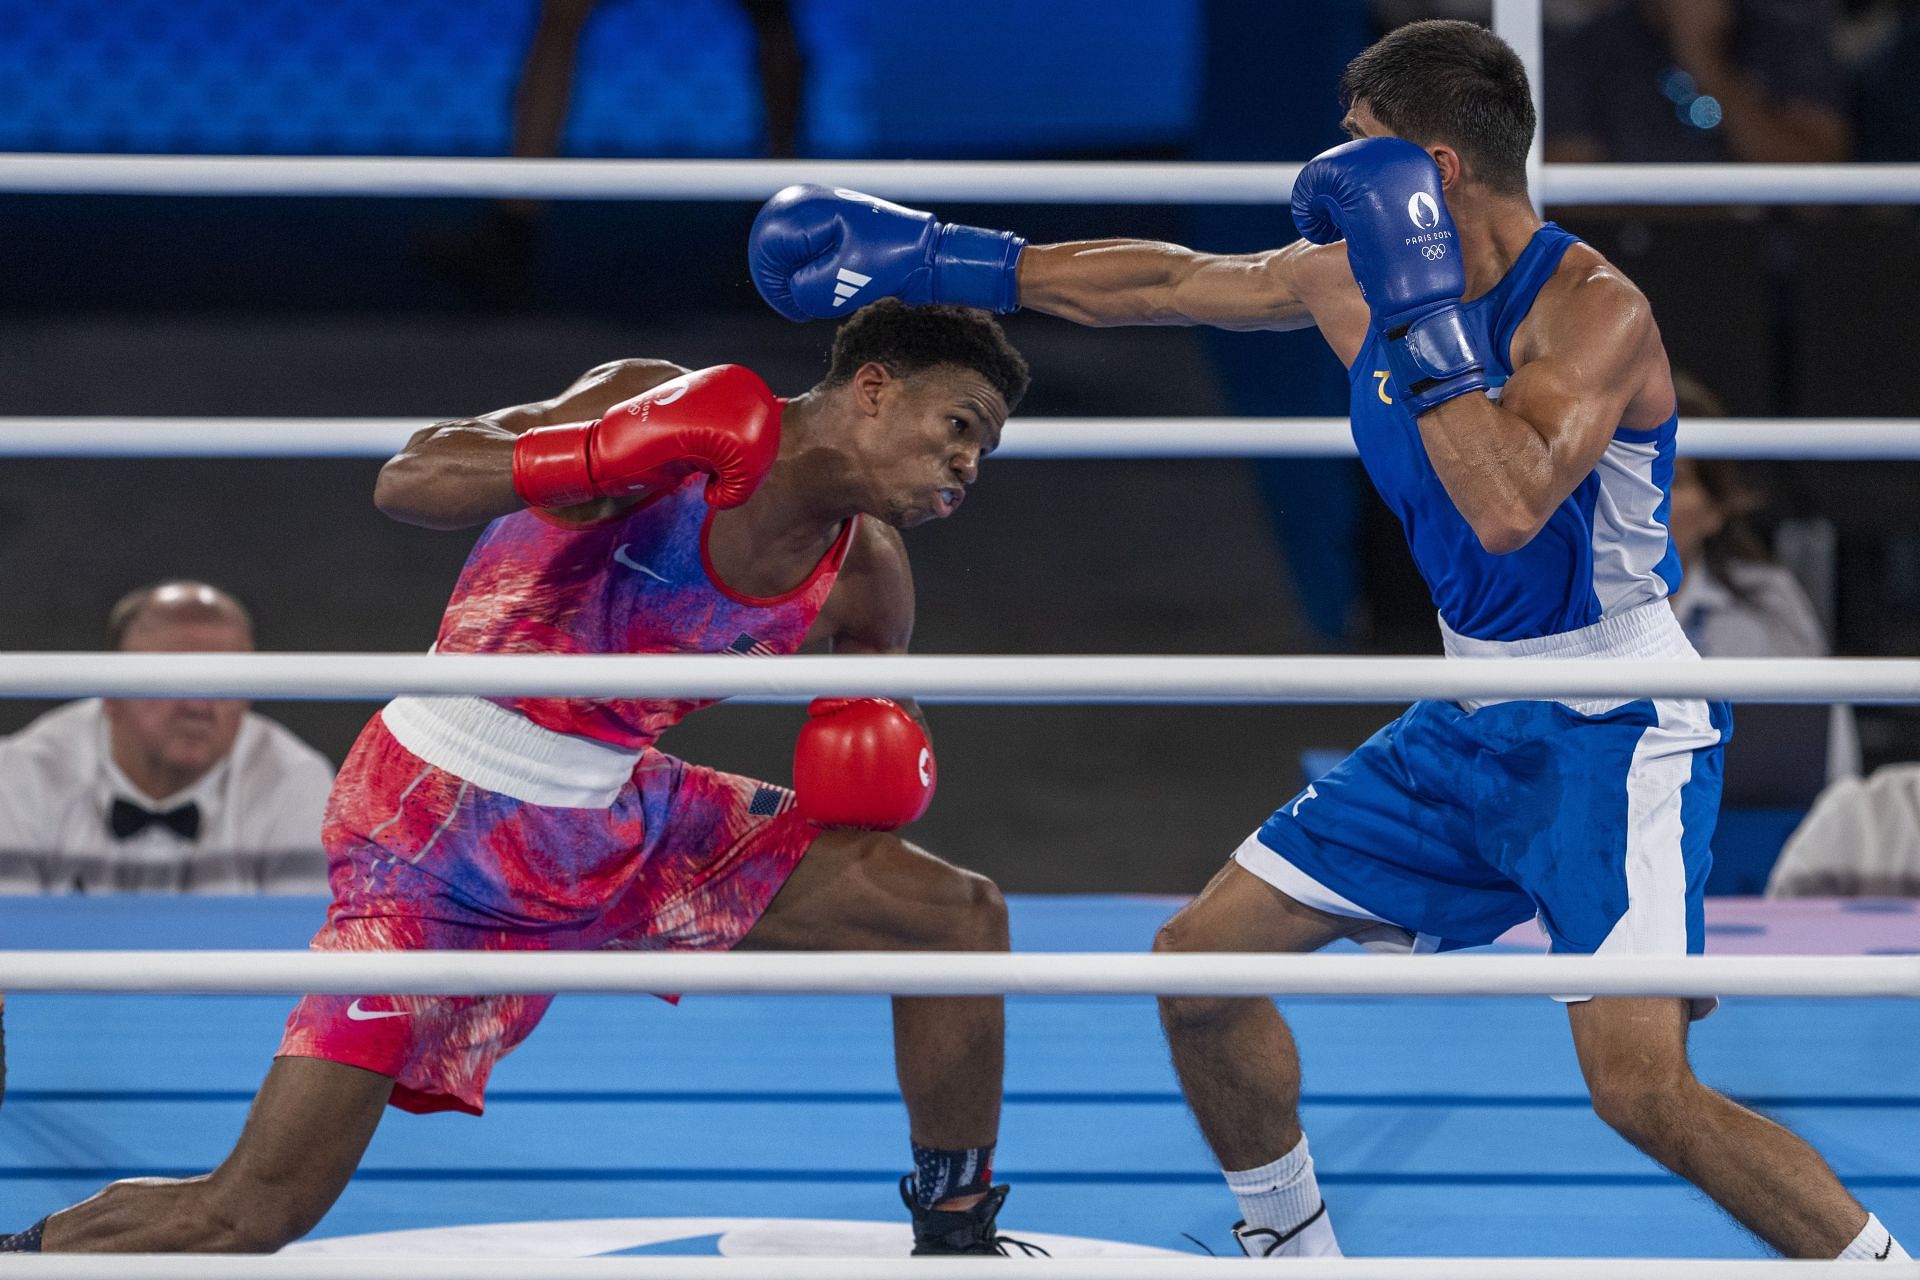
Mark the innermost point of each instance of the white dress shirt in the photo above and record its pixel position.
(260, 811)
(1862, 839)
(1776, 620)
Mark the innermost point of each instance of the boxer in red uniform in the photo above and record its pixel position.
(652, 510)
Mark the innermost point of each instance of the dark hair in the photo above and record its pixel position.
(1727, 484)
(1694, 398)
(1738, 541)
(909, 340)
(1445, 81)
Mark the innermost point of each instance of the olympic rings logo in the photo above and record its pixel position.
(1433, 252)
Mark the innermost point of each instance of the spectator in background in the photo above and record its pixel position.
(1697, 80)
(1734, 601)
(183, 795)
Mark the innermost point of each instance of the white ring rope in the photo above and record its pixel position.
(344, 1267)
(937, 973)
(1021, 182)
(135, 437)
(1087, 680)
(1522, 24)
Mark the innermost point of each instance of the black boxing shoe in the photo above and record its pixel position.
(1264, 1242)
(954, 1232)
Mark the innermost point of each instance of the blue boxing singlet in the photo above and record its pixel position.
(1605, 550)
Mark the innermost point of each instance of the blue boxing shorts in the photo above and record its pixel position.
(1453, 824)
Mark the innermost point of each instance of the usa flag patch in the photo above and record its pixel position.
(769, 802)
(746, 644)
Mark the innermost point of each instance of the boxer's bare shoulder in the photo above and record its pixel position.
(871, 607)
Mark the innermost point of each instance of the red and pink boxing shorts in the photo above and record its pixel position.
(685, 858)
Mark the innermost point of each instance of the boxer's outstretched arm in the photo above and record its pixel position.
(1599, 363)
(1119, 282)
(457, 474)
(814, 248)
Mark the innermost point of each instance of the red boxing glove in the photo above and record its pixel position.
(723, 421)
(862, 762)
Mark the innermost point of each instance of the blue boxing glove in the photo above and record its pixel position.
(1383, 196)
(819, 252)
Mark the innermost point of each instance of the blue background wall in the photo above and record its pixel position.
(656, 77)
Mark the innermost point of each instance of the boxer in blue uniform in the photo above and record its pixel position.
(1512, 402)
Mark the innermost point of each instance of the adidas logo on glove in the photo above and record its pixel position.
(851, 282)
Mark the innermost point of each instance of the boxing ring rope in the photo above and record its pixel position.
(1887, 439)
(346, 1267)
(1000, 182)
(960, 973)
(996, 679)
(1522, 24)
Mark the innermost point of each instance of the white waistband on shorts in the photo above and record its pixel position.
(1646, 631)
(501, 750)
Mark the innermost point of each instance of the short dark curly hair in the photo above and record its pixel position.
(909, 340)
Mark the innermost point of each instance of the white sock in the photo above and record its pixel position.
(1874, 1244)
(1283, 1198)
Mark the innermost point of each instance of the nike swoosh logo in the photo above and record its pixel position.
(627, 560)
(1884, 1253)
(356, 1014)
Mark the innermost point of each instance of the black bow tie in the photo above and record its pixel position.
(130, 819)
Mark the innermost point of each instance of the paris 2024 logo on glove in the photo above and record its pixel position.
(1424, 212)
